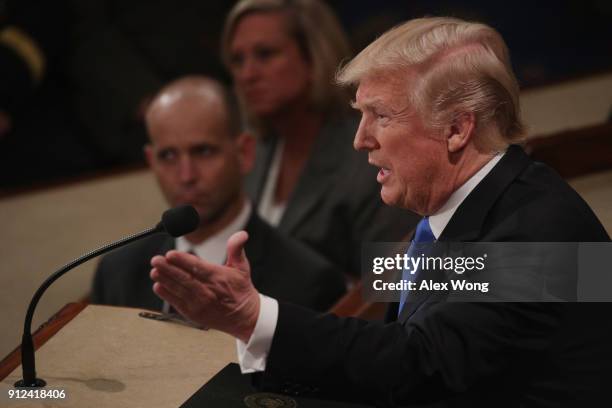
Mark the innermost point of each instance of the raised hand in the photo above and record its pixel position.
(221, 297)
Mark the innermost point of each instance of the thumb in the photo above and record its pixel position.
(236, 256)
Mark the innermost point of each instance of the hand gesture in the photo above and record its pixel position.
(221, 297)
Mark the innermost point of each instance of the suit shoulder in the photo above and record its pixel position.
(288, 270)
(122, 277)
(137, 253)
(286, 248)
(546, 208)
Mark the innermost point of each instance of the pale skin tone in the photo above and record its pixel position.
(198, 161)
(194, 156)
(274, 79)
(420, 166)
(397, 141)
(216, 296)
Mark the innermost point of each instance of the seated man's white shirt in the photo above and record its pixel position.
(253, 355)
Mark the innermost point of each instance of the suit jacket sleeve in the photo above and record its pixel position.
(287, 270)
(542, 351)
(433, 355)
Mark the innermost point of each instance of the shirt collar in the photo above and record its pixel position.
(268, 209)
(440, 219)
(213, 249)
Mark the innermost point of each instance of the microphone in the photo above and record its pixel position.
(179, 220)
(176, 221)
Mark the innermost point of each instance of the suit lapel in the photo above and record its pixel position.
(411, 307)
(466, 224)
(319, 175)
(255, 247)
(256, 179)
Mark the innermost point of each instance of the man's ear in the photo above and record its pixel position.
(148, 153)
(246, 151)
(461, 131)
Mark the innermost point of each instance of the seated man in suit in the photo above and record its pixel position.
(199, 157)
(440, 116)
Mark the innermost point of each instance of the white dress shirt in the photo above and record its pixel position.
(253, 355)
(269, 209)
(440, 219)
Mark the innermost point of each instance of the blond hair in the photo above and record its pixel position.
(461, 67)
(319, 36)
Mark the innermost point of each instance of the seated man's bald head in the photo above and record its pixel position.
(203, 96)
(197, 152)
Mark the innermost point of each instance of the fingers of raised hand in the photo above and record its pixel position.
(165, 272)
(176, 288)
(192, 301)
(236, 256)
(166, 294)
(197, 267)
(199, 289)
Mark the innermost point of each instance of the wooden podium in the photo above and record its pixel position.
(104, 356)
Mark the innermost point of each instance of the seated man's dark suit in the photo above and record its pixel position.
(280, 267)
(467, 354)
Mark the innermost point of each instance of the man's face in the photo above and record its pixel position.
(410, 157)
(268, 68)
(194, 158)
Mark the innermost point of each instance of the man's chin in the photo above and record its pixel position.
(394, 200)
(203, 212)
(388, 199)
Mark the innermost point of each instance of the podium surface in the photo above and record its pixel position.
(110, 356)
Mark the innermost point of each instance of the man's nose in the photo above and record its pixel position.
(364, 140)
(186, 170)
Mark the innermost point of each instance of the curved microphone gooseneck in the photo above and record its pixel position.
(175, 221)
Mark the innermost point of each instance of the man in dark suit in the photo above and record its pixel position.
(440, 116)
(199, 157)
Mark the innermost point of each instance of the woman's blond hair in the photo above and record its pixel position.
(319, 36)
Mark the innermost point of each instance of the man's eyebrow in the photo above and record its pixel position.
(200, 144)
(367, 105)
(203, 145)
(164, 150)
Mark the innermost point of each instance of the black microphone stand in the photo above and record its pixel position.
(27, 345)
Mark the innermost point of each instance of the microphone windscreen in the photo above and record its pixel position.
(180, 220)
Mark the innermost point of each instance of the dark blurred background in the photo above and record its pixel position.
(76, 75)
(548, 40)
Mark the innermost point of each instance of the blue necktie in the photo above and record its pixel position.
(423, 234)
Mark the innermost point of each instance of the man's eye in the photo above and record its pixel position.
(166, 156)
(380, 116)
(203, 151)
